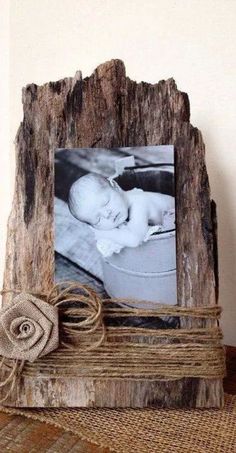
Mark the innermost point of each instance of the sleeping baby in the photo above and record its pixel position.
(120, 217)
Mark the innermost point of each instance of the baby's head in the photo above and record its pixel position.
(97, 201)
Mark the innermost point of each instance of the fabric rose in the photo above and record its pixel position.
(28, 328)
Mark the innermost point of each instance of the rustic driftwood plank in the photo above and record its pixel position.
(108, 109)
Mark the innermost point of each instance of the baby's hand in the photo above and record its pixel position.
(125, 235)
(105, 234)
(102, 234)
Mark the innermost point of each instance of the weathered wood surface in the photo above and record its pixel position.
(108, 109)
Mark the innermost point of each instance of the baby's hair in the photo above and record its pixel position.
(79, 187)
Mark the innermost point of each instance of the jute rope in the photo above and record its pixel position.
(89, 347)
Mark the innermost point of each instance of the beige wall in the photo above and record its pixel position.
(193, 41)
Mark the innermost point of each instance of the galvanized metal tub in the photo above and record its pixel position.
(156, 255)
(159, 287)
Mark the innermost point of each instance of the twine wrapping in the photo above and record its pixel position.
(89, 347)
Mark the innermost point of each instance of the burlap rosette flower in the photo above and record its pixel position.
(28, 328)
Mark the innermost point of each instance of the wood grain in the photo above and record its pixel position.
(108, 109)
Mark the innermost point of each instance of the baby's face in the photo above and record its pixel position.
(104, 208)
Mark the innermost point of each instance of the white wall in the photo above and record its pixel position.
(193, 41)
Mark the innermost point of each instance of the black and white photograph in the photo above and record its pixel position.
(115, 222)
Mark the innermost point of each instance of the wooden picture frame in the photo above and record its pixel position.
(108, 109)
